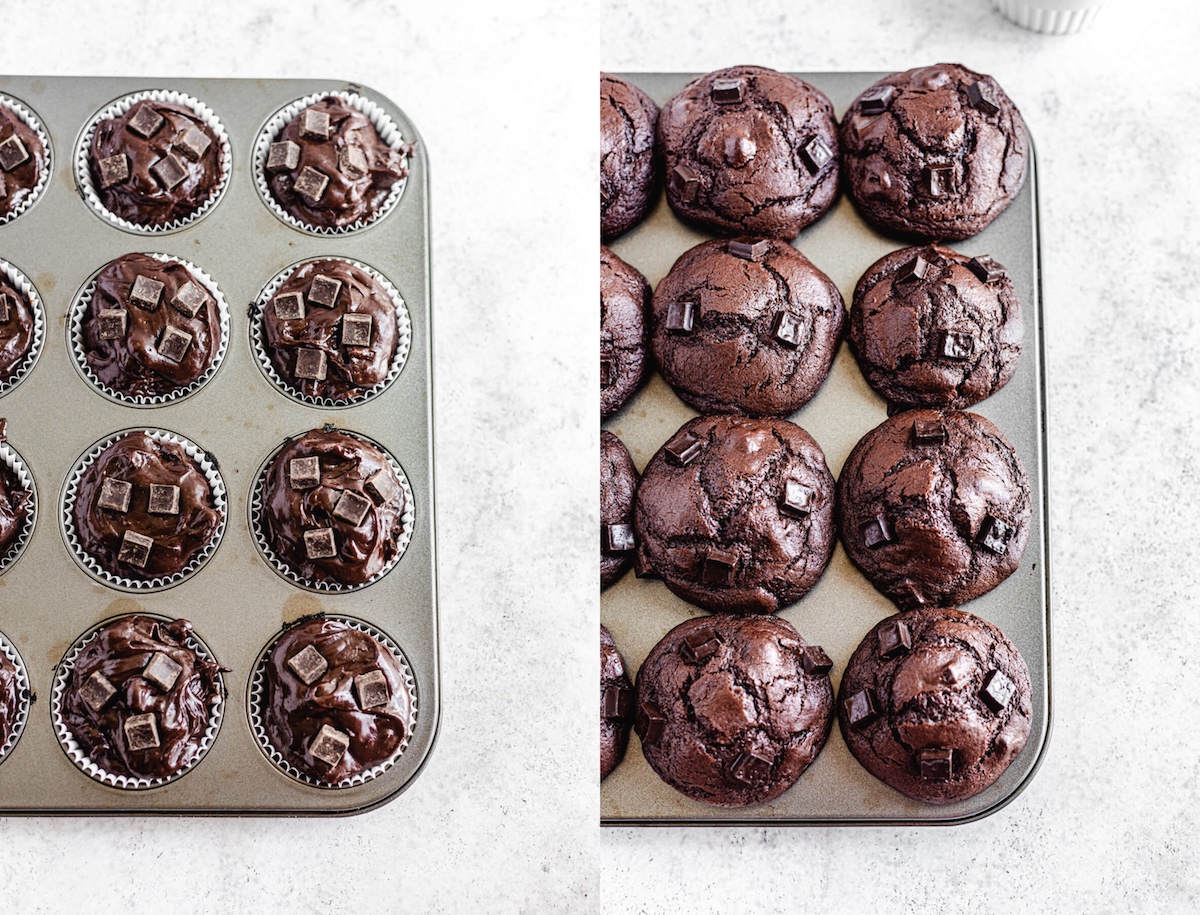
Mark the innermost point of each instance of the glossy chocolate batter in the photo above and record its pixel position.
(616, 705)
(12, 699)
(14, 508)
(630, 171)
(19, 180)
(16, 329)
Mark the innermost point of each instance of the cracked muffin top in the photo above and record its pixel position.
(624, 295)
(629, 169)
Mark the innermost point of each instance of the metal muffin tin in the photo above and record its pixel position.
(237, 602)
(843, 607)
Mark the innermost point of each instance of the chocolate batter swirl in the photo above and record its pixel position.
(14, 509)
(20, 181)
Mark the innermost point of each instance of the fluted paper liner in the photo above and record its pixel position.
(18, 724)
(31, 121)
(21, 283)
(16, 464)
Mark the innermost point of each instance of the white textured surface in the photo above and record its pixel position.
(1111, 822)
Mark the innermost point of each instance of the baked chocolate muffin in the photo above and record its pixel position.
(624, 296)
(151, 329)
(332, 508)
(331, 330)
(144, 509)
(934, 507)
(138, 699)
(23, 162)
(337, 703)
(618, 482)
(745, 326)
(630, 171)
(933, 153)
(329, 167)
(15, 504)
(935, 328)
(735, 514)
(731, 710)
(616, 705)
(157, 163)
(750, 151)
(936, 703)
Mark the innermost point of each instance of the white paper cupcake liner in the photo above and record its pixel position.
(78, 755)
(256, 700)
(1064, 17)
(21, 283)
(16, 464)
(33, 123)
(77, 345)
(258, 337)
(384, 126)
(23, 688)
(83, 173)
(91, 565)
(407, 519)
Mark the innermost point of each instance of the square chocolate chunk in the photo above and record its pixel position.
(700, 646)
(815, 661)
(135, 549)
(981, 98)
(164, 499)
(994, 535)
(876, 101)
(145, 121)
(895, 639)
(141, 732)
(174, 343)
(308, 664)
(997, 690)
(683, 449)
(726, 91)
(115, 495)
(189, 299)
(928, 432)
(352, 162)
(957, 346)
(319, 544)
(939, 180)
(283, 157)
(861, 708)
(796, 499)
(192, 142)
(162, 670)
(876, 532)
(314, 125)
(145, 292)
(608, 372)
(310, 184)
(790, 330)
(372, 689)
(815, 154)
(618, 702)
(681, 317)
(329, 746)
(114, 170)
(324, 291)
(289, 306)
(988, 269)
(169, 171)
(352, 506)
(304, 473)
(718, 568)
(617, 538)
(686, 183)
(936, 764)
(96, 691)
(6, 310)
(356, 330)
(649, 724)
(749, 249)
(381, 486)
(750, 769)
(12, 153)
(913, 271)
(311, 364)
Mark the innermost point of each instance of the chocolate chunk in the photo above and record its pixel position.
(192, 142)
(739, 151)
(913, 271)
(815, 154)
(189, 299)
(877, 100)
(955, 345)
(319, 544)
(114, 170)
(310, 364)
(329, 746)
(164, 499)
(112, 323)
(861, 708)
(96, 691)
(289, 306)
(618, 702)
(12, 153)
(749, 249)
(169, 171)
(719, 566)
(981, 98)
(994, 535)
(939, 180)
(324, 291)
(877, 532)
(608, 372)
(895, 639)
(796, 499)
(649, 724)
(6, 310)
(681, 317)
(352, 162)
(352, 506)
(356, 330)
(314, 125)
(997, 690)
(135, 549)
(987, 269)
(727, 91)
(790, 330)
(683, 449)
(304, 473)
(141, 732)
(115, 495)
(145, 292)
(174, 343)
(750, 769)
(815, 661)
(283, 157)
(618, 538)
(3, 188)
(700, 646)
(928, 432)
(686, 182)
(381, 486)
(936, 764)
(642, 567)
(145, 122)
(372, 689)
(310, 184)
(308, 664)
(162, 670)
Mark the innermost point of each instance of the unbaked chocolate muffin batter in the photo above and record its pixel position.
(23, 160)
(629, 169)
(15, 502)
(616, 705)
(618, 482)
(12, 698)
(16, 328)
(624, 298)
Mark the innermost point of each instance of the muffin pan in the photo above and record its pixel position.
(237, 603)
(843, 607)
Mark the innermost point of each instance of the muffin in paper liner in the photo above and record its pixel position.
(30, 120)
(79, 756)
(16, 466)
(216, 484)
(259, 344)
(83, 172)
(388, 132)
(256, 698)
(21, 283)
(258, 528)
(24, 697)
(77, 346)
